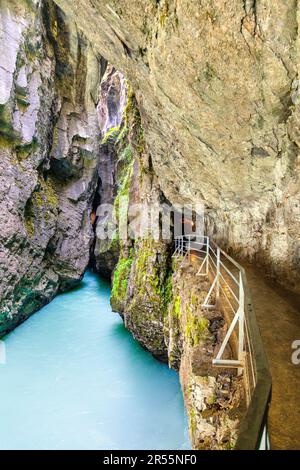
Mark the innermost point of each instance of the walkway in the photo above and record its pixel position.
(278, 315)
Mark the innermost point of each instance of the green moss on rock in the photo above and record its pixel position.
(8, 136)
(22, 104)
(31, 50)
(176, 312)
(122, 199)
(21, 97)
(167, 290)
(39, 207)
(24, 150)
(148, 272)
(196, 328)
(120, 282)
(126, 155)
(111, 135)
(150, 282)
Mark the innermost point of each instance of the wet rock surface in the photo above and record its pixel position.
(114, 157)
(49, 146)
(138, 265)
(218, 93)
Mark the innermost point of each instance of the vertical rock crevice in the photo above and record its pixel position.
(137, 267)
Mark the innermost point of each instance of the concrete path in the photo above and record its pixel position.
(278, 315)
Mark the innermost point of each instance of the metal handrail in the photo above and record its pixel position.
(251, 360)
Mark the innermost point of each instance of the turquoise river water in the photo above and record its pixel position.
(74, 378)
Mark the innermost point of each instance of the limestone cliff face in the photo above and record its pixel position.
(49, 145)
(138, 266)
(160, 297)
(198, 126)
(217, 86)
(114, 156)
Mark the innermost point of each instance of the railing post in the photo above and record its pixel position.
(241, 321)
(207, 256)
(189, 248)
(218, 275)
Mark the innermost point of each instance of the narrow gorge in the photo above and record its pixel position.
(107, 106)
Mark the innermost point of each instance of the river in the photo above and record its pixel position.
(74, 378)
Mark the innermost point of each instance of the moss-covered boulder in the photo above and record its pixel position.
(147, 291)
(120, 283)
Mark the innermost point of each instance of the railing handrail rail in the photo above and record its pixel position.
(235, 263)
(251, 427)
(190, 235)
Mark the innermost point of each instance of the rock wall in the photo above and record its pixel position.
(115, 154)
(214, 398)
(138, 266)
(159, 300)
(49, 147)
(61, 145)
(217, 87)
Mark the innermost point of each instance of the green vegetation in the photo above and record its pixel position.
(194, 301)
(192, 420)
(146, 271)
(133, 122)
(22, 103)
(129, 105)
(118, 137)
(152, 281)
(164, 14)
(46, 195)
(29, 219)
(126, 155)
(86, 154)
(111, 135)
(122, 200)
(122, 134)
(167, 290)
(120, 279)
(8, 136)
(31, 50)
(42, 202)
(176, 308)
(211, 400)
(30, 4)
(196, 328)
(23, 150)
(21, 97)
